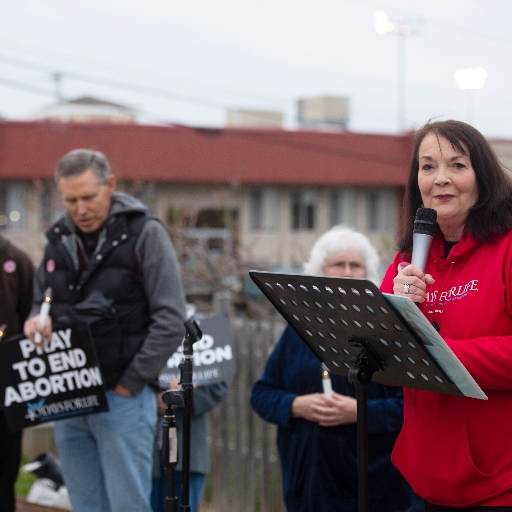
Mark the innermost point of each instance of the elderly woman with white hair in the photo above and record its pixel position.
(316, 433)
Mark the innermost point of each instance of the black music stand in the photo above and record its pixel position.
(356, 331)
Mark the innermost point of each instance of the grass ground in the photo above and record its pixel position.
(25, 480)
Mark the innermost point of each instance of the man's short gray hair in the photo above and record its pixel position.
(340, 239)
(78, 161)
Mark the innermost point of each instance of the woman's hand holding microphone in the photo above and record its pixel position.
(412, 282)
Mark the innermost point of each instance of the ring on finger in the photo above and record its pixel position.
(407, 288)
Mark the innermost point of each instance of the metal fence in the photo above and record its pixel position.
(246, 473)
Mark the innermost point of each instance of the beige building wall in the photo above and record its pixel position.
(283, 248)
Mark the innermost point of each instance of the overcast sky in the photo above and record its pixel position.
(187, 61)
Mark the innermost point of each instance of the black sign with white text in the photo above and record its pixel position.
(213, 359)
(60, 381)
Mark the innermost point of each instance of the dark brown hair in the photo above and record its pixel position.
(492, 213)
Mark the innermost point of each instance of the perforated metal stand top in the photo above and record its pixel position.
(337, 316)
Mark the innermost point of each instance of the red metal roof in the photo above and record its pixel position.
(31, 150)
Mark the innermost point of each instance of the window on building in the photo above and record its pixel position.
(214, 229)
(13, 206)
(382, 210)
(343, 207)
(304, 209)
(264, 209)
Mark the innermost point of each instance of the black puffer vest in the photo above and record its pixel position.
(117, 312)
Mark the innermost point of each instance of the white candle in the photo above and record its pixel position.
(326, 382)
(44, 312)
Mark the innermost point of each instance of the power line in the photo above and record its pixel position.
(137, 72)
(119, 84)
(112, 82)
(125, 85)
(14, 84)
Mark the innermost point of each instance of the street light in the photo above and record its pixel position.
(470, 80)
(383, 26)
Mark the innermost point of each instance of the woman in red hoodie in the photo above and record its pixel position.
(457, 452)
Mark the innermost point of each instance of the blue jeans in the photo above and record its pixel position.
(107, 457)
(159, 492)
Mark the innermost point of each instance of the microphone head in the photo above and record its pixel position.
(425, 222)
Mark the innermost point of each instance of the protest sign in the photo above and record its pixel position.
(213, 359)
(47, 384)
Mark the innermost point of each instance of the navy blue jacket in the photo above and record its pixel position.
(319, 464)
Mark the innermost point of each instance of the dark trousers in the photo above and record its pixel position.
(10, 455)
(439, 508)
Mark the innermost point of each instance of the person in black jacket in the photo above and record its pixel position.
(16, 283)
(109, 260)
(317, 434)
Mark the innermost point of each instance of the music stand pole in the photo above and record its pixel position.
(363, 495)
(361, 375)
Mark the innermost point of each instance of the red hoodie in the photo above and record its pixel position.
(457, 451)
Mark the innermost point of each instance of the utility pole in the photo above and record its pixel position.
(402, 28)
(57, 83)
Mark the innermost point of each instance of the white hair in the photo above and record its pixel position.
(340, 239)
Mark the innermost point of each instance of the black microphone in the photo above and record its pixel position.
(424, 230)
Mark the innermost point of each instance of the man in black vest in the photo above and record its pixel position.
(109, 258)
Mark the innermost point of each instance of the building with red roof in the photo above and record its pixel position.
(273, 191)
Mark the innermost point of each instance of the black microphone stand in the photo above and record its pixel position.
(172, 398)
(180, 398)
